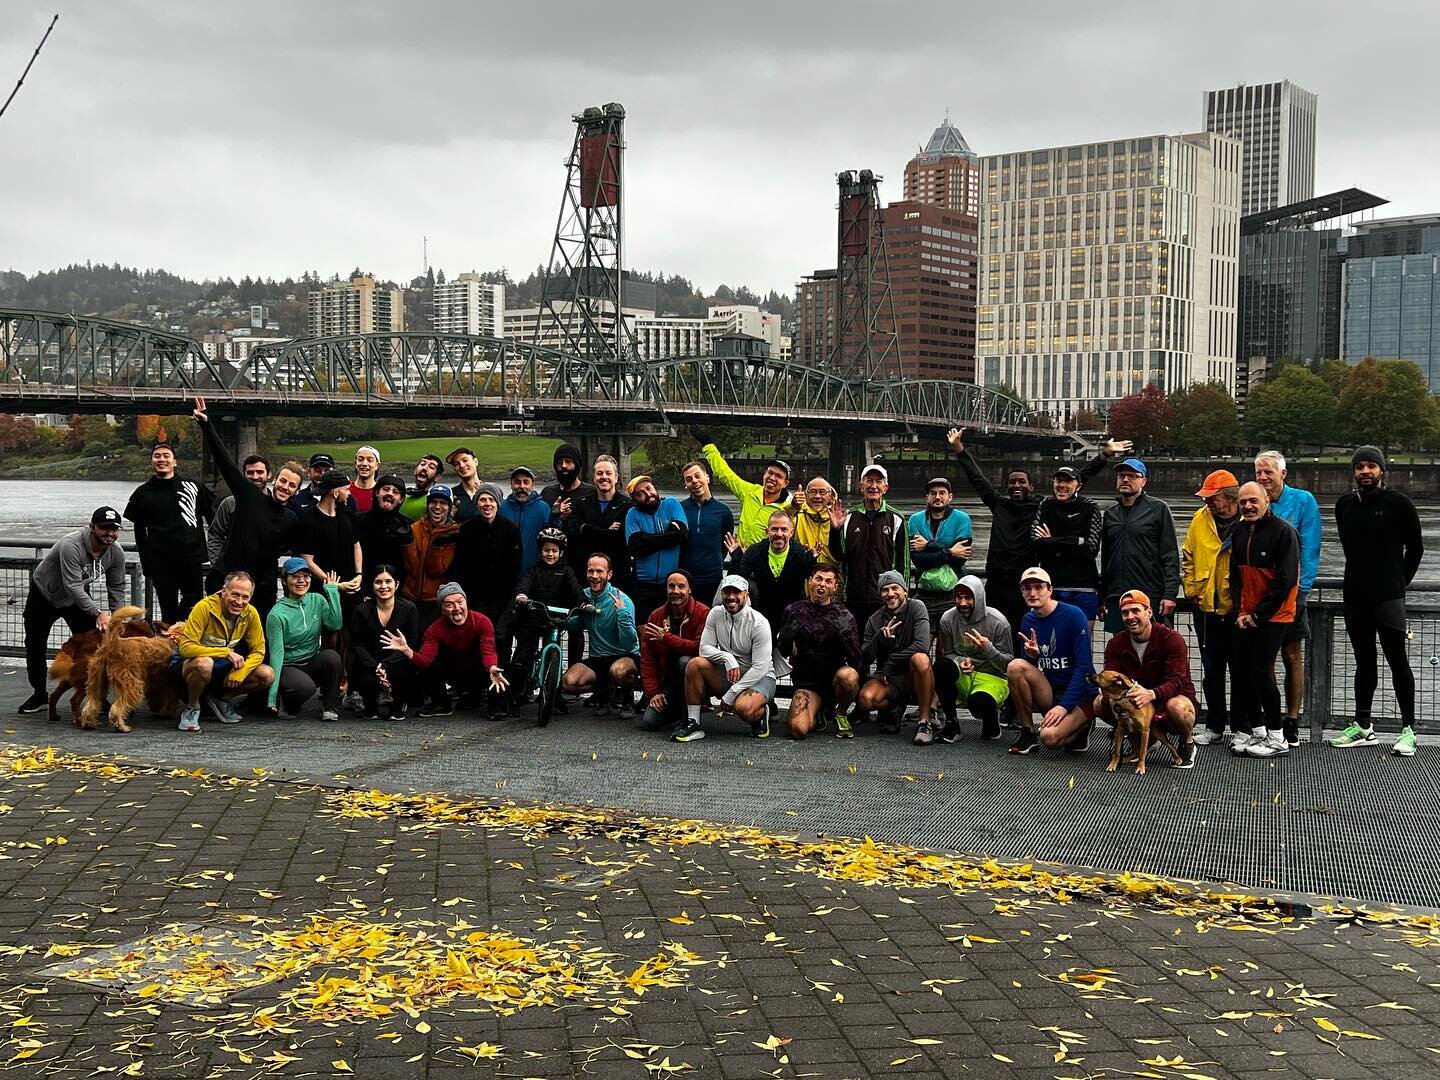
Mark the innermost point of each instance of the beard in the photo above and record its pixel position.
(566, 477)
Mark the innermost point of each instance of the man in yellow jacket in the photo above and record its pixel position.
(1205, 579)
(757, 501)
(812, 521)
(222, 645)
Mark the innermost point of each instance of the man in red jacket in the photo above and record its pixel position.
(453, 643)
(1158, 660)
(669, 638)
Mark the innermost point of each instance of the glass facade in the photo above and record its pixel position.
(1289, 298)
(1392, 311)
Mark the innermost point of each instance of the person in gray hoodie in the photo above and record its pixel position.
(975, 649)
(736, 662)
(897, 641)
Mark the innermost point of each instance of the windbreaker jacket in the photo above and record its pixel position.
(868, 543)
(1205, 565)
(656, 539)
(1265, 569)
(743, 641)
(428, 558)
(208, 632)
(995, 657)
(754, 510)
(812, 532)
(611, 626)
(529, 517)
(656, 654)
(1139, 550)
(1299, 508)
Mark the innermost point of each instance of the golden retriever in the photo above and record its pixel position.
(133, 669)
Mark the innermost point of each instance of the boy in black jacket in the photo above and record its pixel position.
(552, 582)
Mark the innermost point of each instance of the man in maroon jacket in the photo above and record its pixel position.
(669, 637)
(1158, 660)
(458, 646)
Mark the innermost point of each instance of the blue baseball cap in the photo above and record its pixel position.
(293, 565)
(1134, 464)
(439, 491)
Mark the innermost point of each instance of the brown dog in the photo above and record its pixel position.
(134, 669)
(1132, 721)
(71, 666)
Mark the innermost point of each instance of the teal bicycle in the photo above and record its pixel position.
(549, 661)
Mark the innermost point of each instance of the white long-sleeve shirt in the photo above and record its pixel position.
(741, 640)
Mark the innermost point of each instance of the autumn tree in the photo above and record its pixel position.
(1386, 402)
(1085, 420)
(1206, 422)
(1145, 418)
(1293, 408)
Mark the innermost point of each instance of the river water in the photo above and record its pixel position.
(48, 508)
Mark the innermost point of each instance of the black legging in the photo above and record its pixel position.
(947, 679)
(176, 593)
(1217, 653)
(1257, 698)
(1364, 622)
(299, 682)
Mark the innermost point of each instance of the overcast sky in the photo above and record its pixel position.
(274, 137)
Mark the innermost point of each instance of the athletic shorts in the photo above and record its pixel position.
(1299, 630)
(982, 682)
(221, 669)
(765, 688)
(600, 665)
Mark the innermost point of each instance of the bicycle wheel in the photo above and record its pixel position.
(549, 681)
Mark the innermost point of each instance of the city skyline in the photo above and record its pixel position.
(271, 141)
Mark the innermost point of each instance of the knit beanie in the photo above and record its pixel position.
(1369, 453)
(493, 490)
(450, 588)
(891, 577)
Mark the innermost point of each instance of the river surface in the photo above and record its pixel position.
(48, 508)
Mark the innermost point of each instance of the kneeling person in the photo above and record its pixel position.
(736, 661)
(975, 649)
(221, 648)
(453, 643)
(607, 616)
(669, 640)
(821, 640)
(897, 641)
(1050, 677)
(1157, 660)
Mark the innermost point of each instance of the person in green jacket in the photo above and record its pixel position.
(292, 635)
(757, 501)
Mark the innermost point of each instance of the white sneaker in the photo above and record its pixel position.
(1238, 742)
(1205, 736)
(1272, 745)
(190, 718)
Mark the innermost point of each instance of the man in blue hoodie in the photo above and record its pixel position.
(655, 535)
(528, 511)
(1298, 507)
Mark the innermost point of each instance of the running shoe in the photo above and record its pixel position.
(427, 710)
(1187, 757)
(1026, 743)
(1405, 744)
(1273, 745)
(329, 715)
(35, 702)
(690, 731)
(1292, 731)
(1355, 735)
(444, 707)
(400, 711)
(761, 728)
(889, 722)
(1205, 736)
(1081, 742)
(354, 701)
(222, 710)
(843, 730)
(924, 733)
(950, 733)
(190, 718)
(821, 724)
(1239, 741)
(990, 729)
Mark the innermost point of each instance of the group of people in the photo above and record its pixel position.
(435, 593)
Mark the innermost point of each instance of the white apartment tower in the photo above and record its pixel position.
(1107, 266)
(1275, 123)
(358, 306)
(467, 305)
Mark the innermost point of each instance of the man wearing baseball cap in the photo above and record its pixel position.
(527, 511)
(60, 589)
(737, 663)
(1205, 581)
(939, 545)
(1138, 548)
(868, 541)
(757, 501)
(1157, 660)
(304, 500)
(1049, 676)
(1066, 535)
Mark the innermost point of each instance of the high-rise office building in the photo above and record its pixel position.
(467, 305)
(1392, 302)
(933, 256)
(814, 340)
(1275, 123)
(358, 306)
(1107, 266)
(946, 172)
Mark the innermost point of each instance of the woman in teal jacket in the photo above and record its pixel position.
(292, 637)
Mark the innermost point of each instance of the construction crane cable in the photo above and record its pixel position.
(28, 66)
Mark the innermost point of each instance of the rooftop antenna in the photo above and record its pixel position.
(28, 66)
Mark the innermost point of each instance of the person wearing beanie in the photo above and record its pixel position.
(458, 650)
(169, 512)
(568, 488)
(488, 556)
(896, 639)
(384, 532)
(1380, 534)
(431, 553)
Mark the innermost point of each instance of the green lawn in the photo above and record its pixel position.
(496, 454)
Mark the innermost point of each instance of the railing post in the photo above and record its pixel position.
(1319, 667)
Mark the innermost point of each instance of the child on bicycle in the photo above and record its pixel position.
(552, 581)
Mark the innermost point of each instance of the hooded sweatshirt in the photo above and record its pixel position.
(741, 641)
(993, 658)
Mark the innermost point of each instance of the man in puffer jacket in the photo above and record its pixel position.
(736, 661)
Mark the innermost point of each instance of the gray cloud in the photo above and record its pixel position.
(276, 137)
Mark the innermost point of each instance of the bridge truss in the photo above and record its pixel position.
(53, 362)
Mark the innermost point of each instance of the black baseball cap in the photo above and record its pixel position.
(1066, 471)
(318, 461)
(106, 515)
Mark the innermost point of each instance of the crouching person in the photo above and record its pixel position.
(897, 641)
(736, 661)
(458, 650)
(386, 681)
(669, 640)
(973, 658)
(292, 633)
(221, 649)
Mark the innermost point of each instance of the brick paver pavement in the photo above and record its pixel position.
(345, 933)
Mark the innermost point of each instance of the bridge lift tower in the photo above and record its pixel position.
(582, 295)
(867, 338)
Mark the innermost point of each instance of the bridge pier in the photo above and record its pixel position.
(241, 437)
(848, 454)
(620, 446)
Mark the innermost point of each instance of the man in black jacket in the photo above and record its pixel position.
(777, 569)
(262, 523)
(568, 488)
(487, 557)
(1380, 533)
(169, 512)
(1011, 533)
(1066, 535)
(597, 523)
(1138, 549)
(384, 530)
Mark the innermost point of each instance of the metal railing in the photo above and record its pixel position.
(1329, 663)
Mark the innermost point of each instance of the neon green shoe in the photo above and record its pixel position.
(1355, 735)
(1405, 744)
(843, 730)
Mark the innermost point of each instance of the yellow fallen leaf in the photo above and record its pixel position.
(683, 919)
(927, 1042)
(1328, 1025)
(1002, 1057)
(341, 1065)
(423, 1028)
